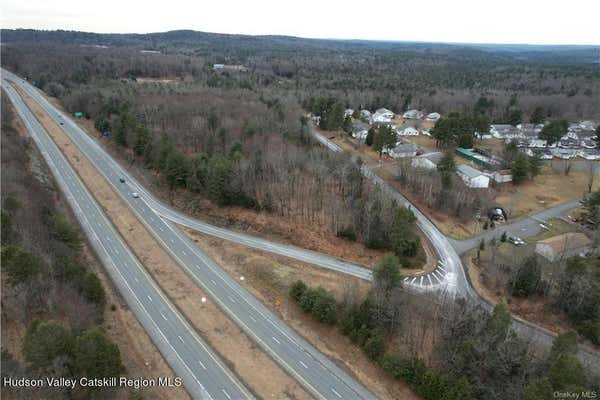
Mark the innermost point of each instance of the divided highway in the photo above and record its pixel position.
(323, 378)
(203, 374)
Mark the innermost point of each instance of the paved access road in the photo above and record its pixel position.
(304, 362)
(203, 374)
(523, 227)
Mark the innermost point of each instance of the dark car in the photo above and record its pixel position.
(122, 180)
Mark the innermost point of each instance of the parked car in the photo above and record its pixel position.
(517, 241)
(122, 180)
(135, 195)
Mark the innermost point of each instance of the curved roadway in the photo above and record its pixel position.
(320, 376)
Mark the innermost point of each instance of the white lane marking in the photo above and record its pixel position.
(213, 282)
(429, 278)
(442, 268)
(252, 318)
(436, 278)
(149, 298)
(231, 299)
(202, 364)
(304, 365)
(275, 339)
(136, 279)
(336, 393)
(183, 252)
(163, 315)
(181, 339)
(421, 281)
(413, 280)
(226, 394)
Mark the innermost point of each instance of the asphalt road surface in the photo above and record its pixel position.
(522, 227)
(304, 362)
(203, 374)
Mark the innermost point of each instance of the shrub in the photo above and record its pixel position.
(375, 345)
(324, 307)
(297, 290)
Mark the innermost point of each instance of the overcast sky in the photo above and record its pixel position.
(478, 21)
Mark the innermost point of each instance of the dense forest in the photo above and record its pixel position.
(232, 138)
(564, 81)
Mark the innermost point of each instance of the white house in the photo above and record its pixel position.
(590, 154)
(472, 177)
(383, 116)
(413, 114)
(537, 144)
(503, 131)
(408, 131)
(348, 112)
(360, 130)
(404, 150)
(433, 116)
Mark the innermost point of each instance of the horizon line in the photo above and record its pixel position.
(317, 38)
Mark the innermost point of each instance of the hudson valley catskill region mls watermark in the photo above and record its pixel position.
(72, 383)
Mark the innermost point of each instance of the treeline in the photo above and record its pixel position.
(476, 355)
(47, 285)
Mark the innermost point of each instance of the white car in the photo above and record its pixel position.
(135, 195)
(517, 241)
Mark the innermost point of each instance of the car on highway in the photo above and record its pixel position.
(135, 195)
(517, 241)
(122, 180)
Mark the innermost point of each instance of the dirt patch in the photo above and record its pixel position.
(269, 278)
(259, 372)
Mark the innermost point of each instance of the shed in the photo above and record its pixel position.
(565, 245)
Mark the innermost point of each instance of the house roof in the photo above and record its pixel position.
(433, 157)
(566, 241)
(405, 148)
(468, 171)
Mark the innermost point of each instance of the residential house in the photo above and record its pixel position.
(568, 143)
(366, 115)
(537, 143)
(504, 131)
(589, 143)
(408, 131)
(348, 112)
(565, 154)
(433, 116)
(360, 130)
(563, 246)
(590, 154)
(413, 114)
(383, 116)
(404, 150)
(499, 176)
(427, 161)
(472, 177)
